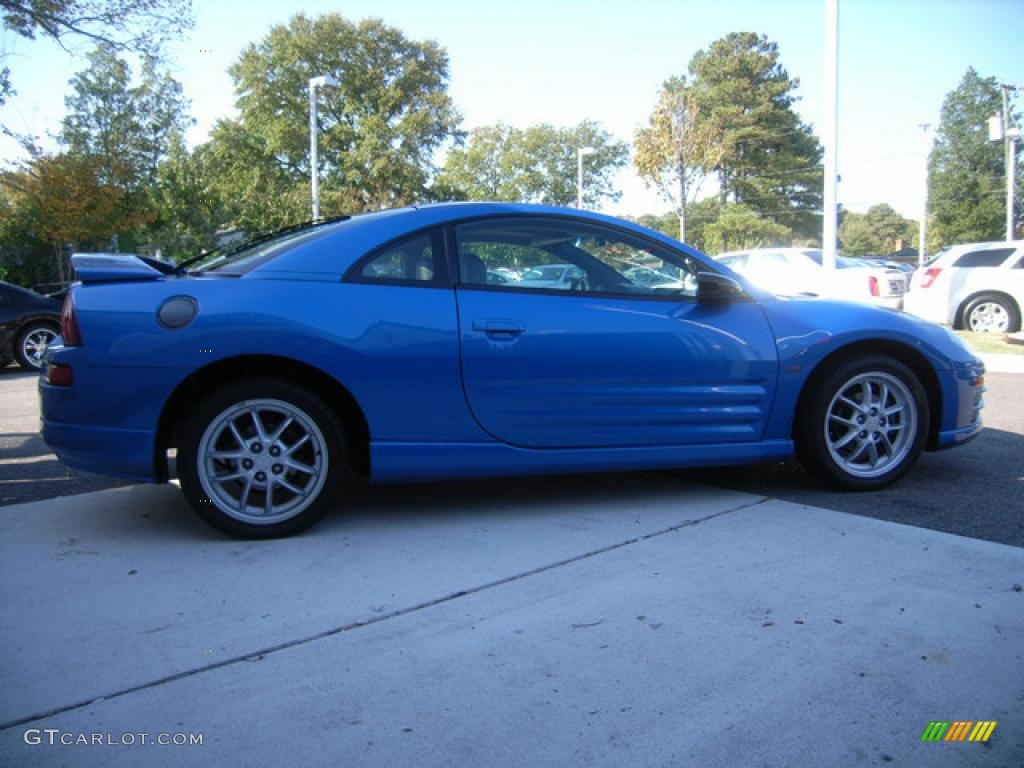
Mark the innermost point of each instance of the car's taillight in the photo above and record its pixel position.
(69, 324)
(929, 276)
(59, 375)
(873, 286)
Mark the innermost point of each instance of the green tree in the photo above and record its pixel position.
(739, 226)
(188, 209)
(666, 223)
(875, 233)
(378, 128)
(675, 149)
(125, 129)
(66, 199)
(537, 164)
(140, 26)
(966, 172)
(124, 126)
(769, 160)
(699, 215)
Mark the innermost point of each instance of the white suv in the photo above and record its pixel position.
(978, 287)
(799, 272)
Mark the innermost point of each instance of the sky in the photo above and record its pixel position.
(564, 61)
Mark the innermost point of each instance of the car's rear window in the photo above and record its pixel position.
(989, 258)
(247, 259)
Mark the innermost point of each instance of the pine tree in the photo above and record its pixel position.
(769, 160)
(966, 172)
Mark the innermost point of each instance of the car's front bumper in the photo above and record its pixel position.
(963, 400)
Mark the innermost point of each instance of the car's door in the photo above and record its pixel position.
(612, 362)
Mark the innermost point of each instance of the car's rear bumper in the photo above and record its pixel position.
(124, 453)
(894, 301)
(106, 421)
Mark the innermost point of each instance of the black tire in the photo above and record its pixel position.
(857, 403)
(986, 312)
(27, 349)
(228, 491)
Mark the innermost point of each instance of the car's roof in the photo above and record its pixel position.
(757, 251)
(953, 252)
(364, 232)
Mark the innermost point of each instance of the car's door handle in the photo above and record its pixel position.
(499, 327)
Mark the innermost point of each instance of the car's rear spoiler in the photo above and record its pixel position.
(111, 267)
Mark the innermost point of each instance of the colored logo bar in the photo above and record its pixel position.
(959, 730)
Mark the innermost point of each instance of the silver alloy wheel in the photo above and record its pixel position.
(989, 317)
(34, 344)
(871, 424)
(262, 461)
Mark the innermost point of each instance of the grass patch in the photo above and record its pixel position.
(990, 343)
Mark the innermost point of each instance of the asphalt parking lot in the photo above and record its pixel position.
(633, 619)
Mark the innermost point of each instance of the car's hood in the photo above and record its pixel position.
(812, 327)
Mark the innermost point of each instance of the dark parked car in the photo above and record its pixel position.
(378, 345)
(28, 322)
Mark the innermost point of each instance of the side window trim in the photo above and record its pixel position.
(704, 264)
(442, 272)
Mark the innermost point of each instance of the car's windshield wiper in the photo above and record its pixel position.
(226, 252)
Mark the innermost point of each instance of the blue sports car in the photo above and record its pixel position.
(376, 345)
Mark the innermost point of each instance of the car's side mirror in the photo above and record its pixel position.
(713, 288)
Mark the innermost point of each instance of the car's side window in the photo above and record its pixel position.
(415, 259)
(540, 254)
(987, 258)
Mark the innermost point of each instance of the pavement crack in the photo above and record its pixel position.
(262, 653)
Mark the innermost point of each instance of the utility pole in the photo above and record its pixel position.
(922, 246)
(1010, 135)
(830, 134)
(1000, 127)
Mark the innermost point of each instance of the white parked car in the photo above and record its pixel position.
(560, 277)
(798, 272)
(976, 286)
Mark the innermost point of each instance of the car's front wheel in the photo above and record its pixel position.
(32, 343)
(262, 458)
(991, 313)
(863, 422)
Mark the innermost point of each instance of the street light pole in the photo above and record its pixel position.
(314, 160)
(830, 134)
(922, 245)
(580, 152)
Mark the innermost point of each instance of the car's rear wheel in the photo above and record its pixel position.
(863, 422)
(262, 458)
(991, 313)
(31, 344)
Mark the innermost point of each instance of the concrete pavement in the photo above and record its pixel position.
(463, 627)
